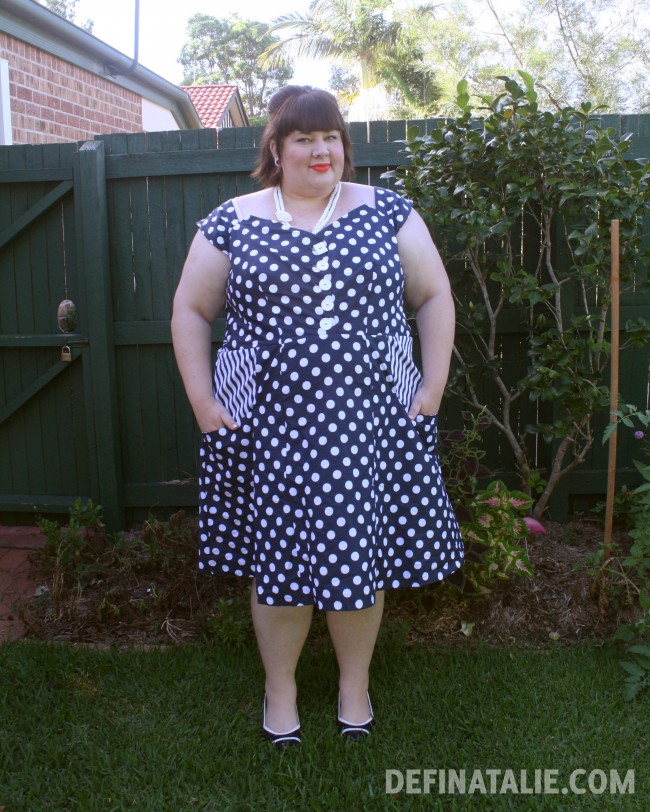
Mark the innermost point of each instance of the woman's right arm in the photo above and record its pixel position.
(199, 298)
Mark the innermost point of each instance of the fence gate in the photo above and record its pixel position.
(97, 419)
(50, 406)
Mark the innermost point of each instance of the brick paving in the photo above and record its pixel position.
(17, 578)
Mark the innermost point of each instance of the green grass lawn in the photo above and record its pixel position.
(178, 729)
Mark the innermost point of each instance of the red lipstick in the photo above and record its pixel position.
(320, 167)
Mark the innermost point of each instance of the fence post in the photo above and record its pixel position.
(93, 258)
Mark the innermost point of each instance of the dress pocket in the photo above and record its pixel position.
(218, 445)
(399, 369)
(427, 428)
(234, 381)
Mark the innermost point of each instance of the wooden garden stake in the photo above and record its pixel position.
(611, 467)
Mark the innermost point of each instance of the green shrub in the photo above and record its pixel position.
(481, 181)
(495, 537)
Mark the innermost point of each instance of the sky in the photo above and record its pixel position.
(163, 29)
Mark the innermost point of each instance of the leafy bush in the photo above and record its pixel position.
(461, 455)
(495, 537)
(75, 550)
(559, 178)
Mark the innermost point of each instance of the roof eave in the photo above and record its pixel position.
(30, 22)
(240, 106)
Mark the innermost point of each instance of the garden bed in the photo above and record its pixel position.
(143, 589)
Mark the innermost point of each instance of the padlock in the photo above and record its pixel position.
(66, 353)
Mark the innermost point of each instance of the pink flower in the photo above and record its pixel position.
(533, 525)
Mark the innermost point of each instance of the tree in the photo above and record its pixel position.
(454, 48)
(67, 10)
(226, 51)
(359, 34)
(560, 178)
(345, 84)
(596, 50)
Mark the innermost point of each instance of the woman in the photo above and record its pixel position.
(319, 474)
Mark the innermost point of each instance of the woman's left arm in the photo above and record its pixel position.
(428, 292)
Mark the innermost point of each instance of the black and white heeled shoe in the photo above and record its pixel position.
(353, 731)
(281, 740)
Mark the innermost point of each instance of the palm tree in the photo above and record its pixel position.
(359, 33)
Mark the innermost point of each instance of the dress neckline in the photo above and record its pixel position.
(289, 227)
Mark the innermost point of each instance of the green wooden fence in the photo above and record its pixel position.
(107, 224)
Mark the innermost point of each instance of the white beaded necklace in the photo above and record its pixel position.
(283, 216)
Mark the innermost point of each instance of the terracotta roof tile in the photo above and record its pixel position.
(211, 101)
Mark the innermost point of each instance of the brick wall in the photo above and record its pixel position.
(53, 100)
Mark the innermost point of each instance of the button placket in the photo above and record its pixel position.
(323, 285)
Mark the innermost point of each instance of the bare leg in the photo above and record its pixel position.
(281, 632)
(354, 635)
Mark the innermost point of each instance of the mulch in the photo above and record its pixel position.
(564, 603)
(162, 600)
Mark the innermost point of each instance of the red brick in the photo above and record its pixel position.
(53, 100)
(23, 93)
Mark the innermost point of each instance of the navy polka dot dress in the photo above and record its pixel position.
(327, 491)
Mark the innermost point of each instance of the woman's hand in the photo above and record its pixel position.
(213, 415)
(425, 401)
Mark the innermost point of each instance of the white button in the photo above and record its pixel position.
(328, 303)
(322, 264)
(320, 248)
(326, 324)
(325, 283)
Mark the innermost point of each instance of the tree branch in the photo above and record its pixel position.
(517, 56)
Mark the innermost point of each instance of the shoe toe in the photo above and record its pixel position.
(352, 731)
(356, 732)
(281, 741)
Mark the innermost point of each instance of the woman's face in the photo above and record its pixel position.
(313, 160)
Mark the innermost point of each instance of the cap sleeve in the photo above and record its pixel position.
(216, 227)
(394, 206)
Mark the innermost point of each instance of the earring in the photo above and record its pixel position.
(277, 162)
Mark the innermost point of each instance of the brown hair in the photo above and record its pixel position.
(303, 108)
